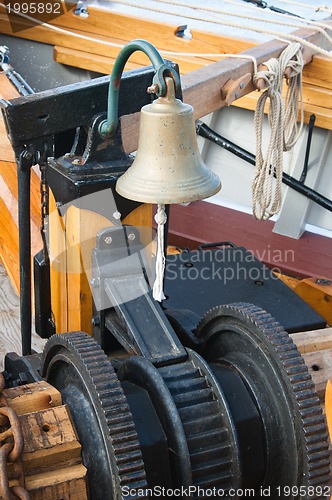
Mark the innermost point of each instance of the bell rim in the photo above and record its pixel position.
(207, 188)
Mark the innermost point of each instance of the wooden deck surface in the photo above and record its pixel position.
(10, 339)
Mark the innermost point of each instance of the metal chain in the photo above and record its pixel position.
(11, 448)
(44, 209)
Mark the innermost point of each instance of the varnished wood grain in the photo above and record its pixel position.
(315, 340)
(32, 397)
(320, 369)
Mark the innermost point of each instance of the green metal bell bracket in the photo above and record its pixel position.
(108, 127)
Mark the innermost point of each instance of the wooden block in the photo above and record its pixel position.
(320, 367)
(288, 280)
(317, 292)
(50, 440)
(318, 72)
(32, 397)
(313, 341)
(69, 483)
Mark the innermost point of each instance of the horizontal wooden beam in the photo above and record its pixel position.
(88, 61)
(316, 100)
(209, 81)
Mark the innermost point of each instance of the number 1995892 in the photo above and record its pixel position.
(34, 8)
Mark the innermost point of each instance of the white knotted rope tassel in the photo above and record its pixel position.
(161, 219)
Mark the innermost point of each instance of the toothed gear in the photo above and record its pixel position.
(207, 424)
(266, 357)
(76, 365)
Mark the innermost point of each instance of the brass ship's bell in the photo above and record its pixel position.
(168, 167)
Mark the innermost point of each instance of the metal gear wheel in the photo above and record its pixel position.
(207, 424)
(249, 340)
(76, 365)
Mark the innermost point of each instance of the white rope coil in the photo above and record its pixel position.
(161, 219)
(267, 196)
(292, 58)
(284, 130)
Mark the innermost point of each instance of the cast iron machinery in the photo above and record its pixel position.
(204, 403)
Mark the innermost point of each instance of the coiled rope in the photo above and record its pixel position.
(284, 130)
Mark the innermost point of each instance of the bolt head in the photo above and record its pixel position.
(131, 237)
(94, 282)
(108, 240)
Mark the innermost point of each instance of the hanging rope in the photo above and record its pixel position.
(161, 219)
(284, 130)
(292, 58)
(265, 194)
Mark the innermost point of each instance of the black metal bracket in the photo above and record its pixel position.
(119, 283)
(56, 122)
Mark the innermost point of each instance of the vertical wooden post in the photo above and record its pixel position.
(72, 237)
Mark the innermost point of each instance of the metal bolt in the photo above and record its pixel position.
(323, 281)
(117, 215)
(76, 161)
(95, 321)
(236, 95)
(241, 85)
(58, 204)
(153, 89)
(108, 240)
(94, 282)
(131, 237)
(27, 154)
(70, 155)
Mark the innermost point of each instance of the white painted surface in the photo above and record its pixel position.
(177, 15)
(236, 175)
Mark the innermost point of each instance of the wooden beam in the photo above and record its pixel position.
(209, 81)
(88, 61)
(320, 369)
(33, 397)
(316, 340)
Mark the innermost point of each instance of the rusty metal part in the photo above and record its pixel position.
(11, 451)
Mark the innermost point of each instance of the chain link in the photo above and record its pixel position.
(44, 209)
(11, 448)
